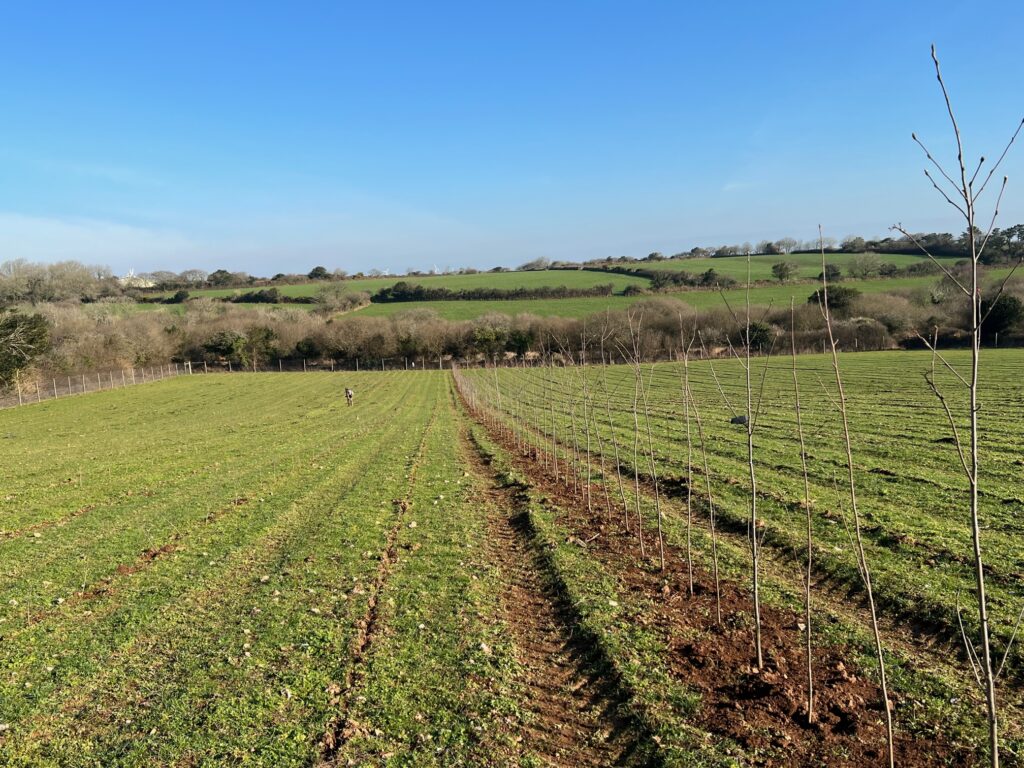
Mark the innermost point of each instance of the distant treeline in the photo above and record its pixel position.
(55, 339)
(403, 291)
(1001, 246)
(867, 265)
(25, 282)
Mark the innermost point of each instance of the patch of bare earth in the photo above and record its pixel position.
(570, 707)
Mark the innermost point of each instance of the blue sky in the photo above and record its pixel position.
(274, 137)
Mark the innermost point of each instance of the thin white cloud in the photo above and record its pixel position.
(92, 241)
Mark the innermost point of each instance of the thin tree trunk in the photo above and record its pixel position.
(711, 504)
(807, 510)
(754, 533)
(865, 570)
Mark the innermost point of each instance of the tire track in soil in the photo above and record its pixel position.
(570, 705)
(342, 728)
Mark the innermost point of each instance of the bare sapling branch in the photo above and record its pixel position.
(652, 468)
(586, 421)
(615, 448)
(711, 499)
(1009, 643)
(980, 658)
(852, 488)
(807, 511)
(686, 347)
(634, 359)
(755, 548)
(913, 238)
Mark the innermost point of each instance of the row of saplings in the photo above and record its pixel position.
(980, 654)
(511, 407)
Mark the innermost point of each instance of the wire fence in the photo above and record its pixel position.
(41, 388)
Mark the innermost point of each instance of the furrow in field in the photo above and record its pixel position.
(340, 729)
(570, 708)
(85, 556)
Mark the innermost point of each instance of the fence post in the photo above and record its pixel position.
(357, 364)
(39, 394)
(440, 365)
(382, 363)
(303, 365)
(280, 366)
(70, 390)
(124, 382)
(54, 389)
(406, 363)
(206, 368)
(332, 365)
(229, 367)
(17, 382)
(133, 374)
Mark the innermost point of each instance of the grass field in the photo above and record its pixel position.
(240, 569)
(502, 280)
(187, 565)
(808, 264)
(777, 295)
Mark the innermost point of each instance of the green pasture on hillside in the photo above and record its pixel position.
(777, 295)
(808, 264)
(502, 280)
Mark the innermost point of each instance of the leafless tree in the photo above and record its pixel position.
(686, 347)
(862, 563)
(711, 498)
(960, 191)
(807, 511)
(753, 410)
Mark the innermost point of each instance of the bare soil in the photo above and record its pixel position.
(570, 706)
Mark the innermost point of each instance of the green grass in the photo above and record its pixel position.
(777, 295)
(185, 566)
(468, 310)
(808, 264)
(503, 280)
(911, 491)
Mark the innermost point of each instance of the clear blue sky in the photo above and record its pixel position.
(276, 136)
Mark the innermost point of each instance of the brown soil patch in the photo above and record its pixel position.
(570, 707)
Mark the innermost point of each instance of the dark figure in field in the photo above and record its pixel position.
(349, 394)
(738, 420)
